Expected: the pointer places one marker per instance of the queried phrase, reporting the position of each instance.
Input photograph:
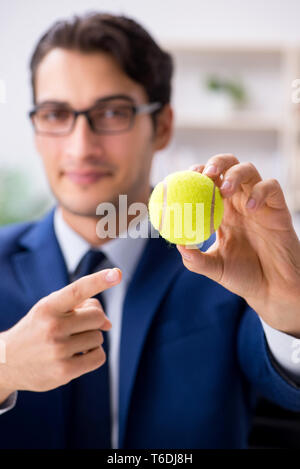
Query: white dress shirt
(120, 252)
(125, 254)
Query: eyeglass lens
(114, 116)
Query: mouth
(86, 177)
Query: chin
(79, 206)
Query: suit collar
(39, 263)
(122, 252)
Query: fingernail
(195, 167)
(210, 170)
(112, 275)
(226, 185)
(251, 204)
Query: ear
(164, 128)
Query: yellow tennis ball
(186, 207)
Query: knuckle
(42, 306)
(96, 311)
(42, 303)
(58, 351)
(222, 156)
(53, 330)
(94, 359)
(249, 166)
(97, 359)
(100, 357)
(96, 338)
(234, 159)
(274, 182)
(95, 315)
(99, 337)
(271, 186)
(215, 160)
(76, 292)
(92, 302)
(100, 319)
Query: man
(187, 353)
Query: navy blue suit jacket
(193, 356)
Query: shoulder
(19, 236)
(10, 236)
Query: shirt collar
(122, 252)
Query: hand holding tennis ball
(186, 207)
(256, 253)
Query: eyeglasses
(112, 115)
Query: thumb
(207, 263)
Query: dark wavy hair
(129, 43)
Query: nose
(82, 141)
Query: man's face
(84, 168)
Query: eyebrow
(114, 96)
(97, 101)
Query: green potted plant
(17, 200)
(229, 94)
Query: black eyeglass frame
(148, 108)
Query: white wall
(23, 21)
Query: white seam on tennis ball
(212, 211)
(164, 207)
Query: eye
(54, 115)
(117, 112)
(114, 112)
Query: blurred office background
(235, 63)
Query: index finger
(66, 299)
(217, 164)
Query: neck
(86, 226)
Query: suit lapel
(156, 270)
(40, 269)
(159, 265)
(39, 263)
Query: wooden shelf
(256, 123)
(276, 119)
(228, 47)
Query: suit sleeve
(285, 349)
(259, 366)
(9, 403)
